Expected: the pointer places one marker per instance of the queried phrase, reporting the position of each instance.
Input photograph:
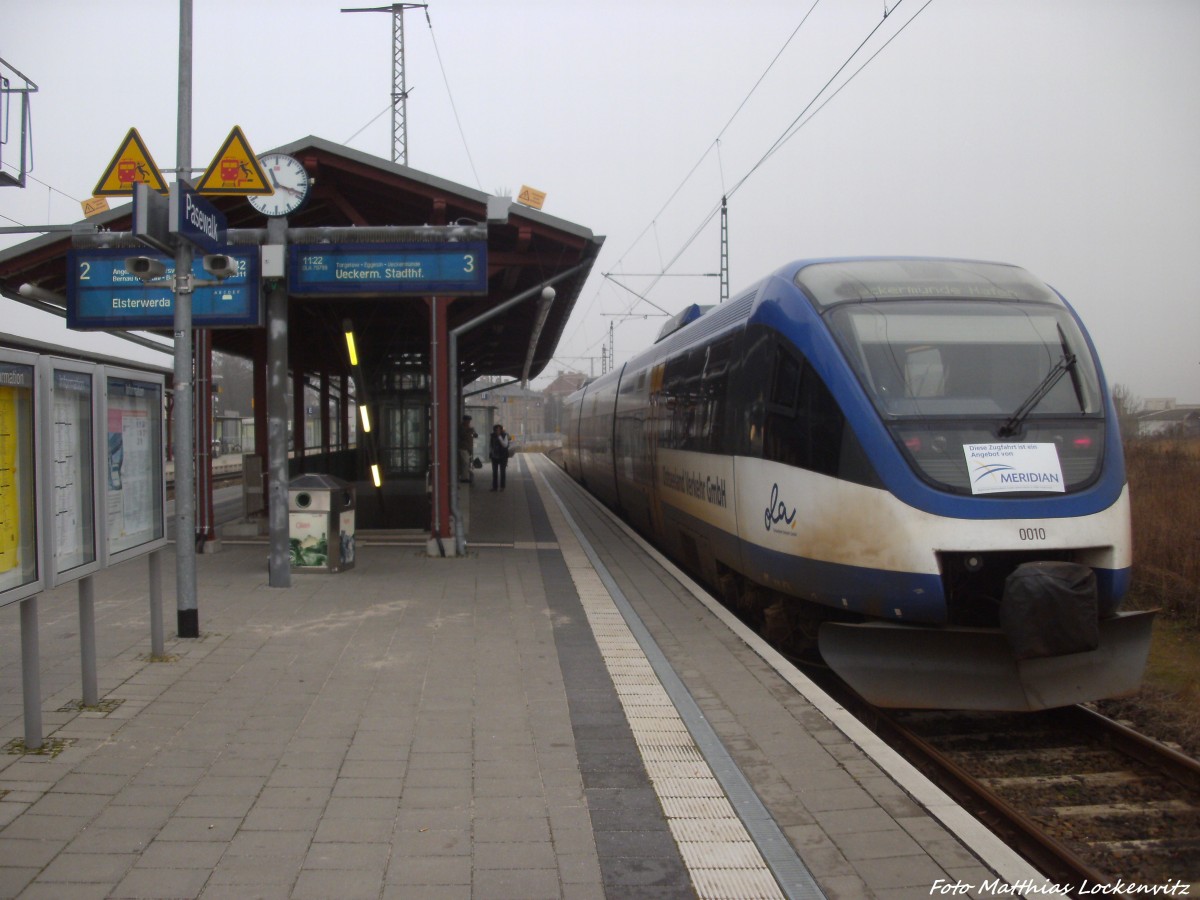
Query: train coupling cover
(952, 667)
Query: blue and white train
(917, 461)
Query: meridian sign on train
(458, 267)
(101, 294)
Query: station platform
(559, 713)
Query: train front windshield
(926, 358)
(1004, 360)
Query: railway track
(222, 480)
(1085, 799)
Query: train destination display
(102, 295)
(458, 268)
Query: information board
(19, 572)
(102, 295)
(68, 466)
(458, 268)
(133, 481)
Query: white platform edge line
(588, 583)
(976, 836)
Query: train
(910, 466)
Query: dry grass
(1163, 481)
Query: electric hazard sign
(234, 170)
(131, 165)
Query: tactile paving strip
(720, 854)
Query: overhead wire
(703, 156)
(369, 124)
(802, 119)
(437, 51)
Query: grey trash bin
(320, 523)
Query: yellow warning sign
(93, 206)
(234, 170)
(131, 165)
(531, 197)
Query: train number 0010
(1032, 534)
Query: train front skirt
(907, 667)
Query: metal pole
(156, 605)
(31, 678)
(437, 383)
(205, 521)
(279, 560)
(185, 492)
(87, 640)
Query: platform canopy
(355, 189)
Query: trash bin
(320, 523)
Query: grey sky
(1062, 136)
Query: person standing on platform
(498, 453)
(466, 443)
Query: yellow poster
(10, 482)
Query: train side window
(716, 383)
(809, 433)
(785, 381)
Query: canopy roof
(355, 189)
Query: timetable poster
(18, 547)
(134, 427)
(72, 503)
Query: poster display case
(20, 565)
(133, 472)
(69, 408)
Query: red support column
(441, 428)
(206, 531)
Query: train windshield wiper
(1064, 365)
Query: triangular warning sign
(131, 165)
(234, 170)
(531, 197)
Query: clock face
(287, 176)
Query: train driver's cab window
(921, 358)
(924, 374)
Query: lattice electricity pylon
(399, 87)
(7, 90)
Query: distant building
(520, 410)
(1158, 404)
(1170, 420)
(565, 384)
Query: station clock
(289, 179)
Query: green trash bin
(320, 523)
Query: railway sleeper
(1154, 808)
(1184, 848)
(1083, 779)
(1077, 760)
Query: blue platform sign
(101, 295)
(195, 219)
(458, 268)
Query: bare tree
(1129, 408)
